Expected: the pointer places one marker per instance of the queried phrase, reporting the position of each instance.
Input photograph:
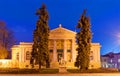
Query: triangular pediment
(61, 32)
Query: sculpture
(62, 62)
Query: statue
(62, 62)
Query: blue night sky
(20, 17)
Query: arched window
(17, 56)
(27, 55)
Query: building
(110, 60)
(62, 43)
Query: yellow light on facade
(4, 63)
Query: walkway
(88, 74)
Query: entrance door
(59, 54)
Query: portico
(62, 48)
(62, 42)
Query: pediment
(61, 33)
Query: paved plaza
(83, 74)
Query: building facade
(62, 44)
(110, 60)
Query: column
(20, 55)
(99, 54)
(54, 52)
(73, 50)
(65, 51)
(23, 55)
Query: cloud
(117, 37)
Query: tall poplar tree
(40, 53)
(83, 38)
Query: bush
(92, 71)
(28, 71)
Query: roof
(62, 33)
(110, 54)
(60, 29)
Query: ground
(83, 74)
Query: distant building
(110, 60)
(62, 43)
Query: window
(17, 56)
(69, 60)
(91, 57)
(105, 60)
(111, 60)
(119, 60)
(92, 66)
(27, 55)
(68, 50)
(91, 52)
(51, 51)
(59, 50)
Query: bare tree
(6, 40)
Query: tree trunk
(40, 65)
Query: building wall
(62, 44)
(6, 63)
(95, 56)
(110, 60)
(20, 53)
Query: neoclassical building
(62, 44)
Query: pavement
(65, 74)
